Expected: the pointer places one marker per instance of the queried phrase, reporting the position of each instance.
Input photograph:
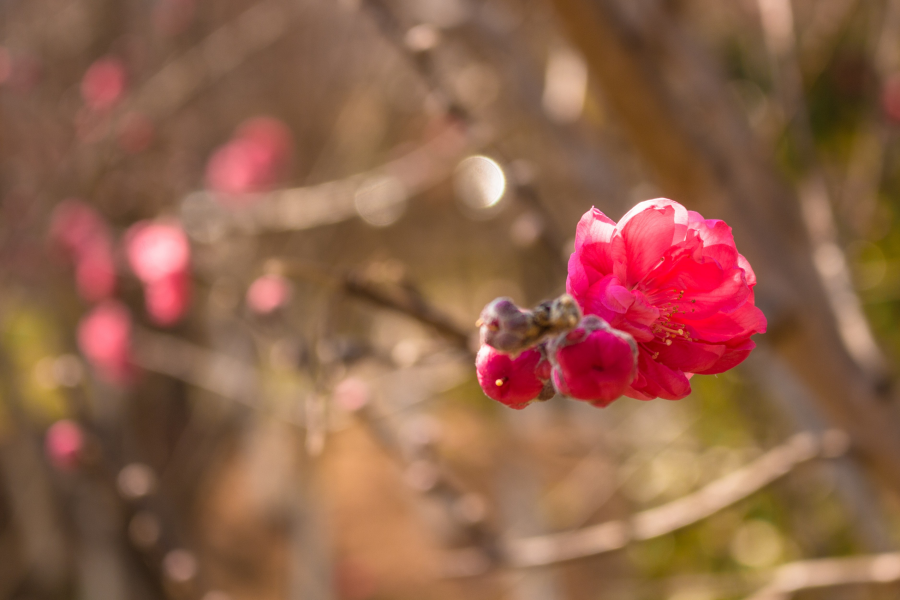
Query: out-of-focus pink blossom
(172, 17)
(104, 337)
(253, 161)
(23, 72)
(95, 273)
(167, 299)
(75, 226)
(268, 293)
(351, 394)
(513, 381)
(135, 132)
(80, 232)
(159, 254)
(593, 362)
(890, 98)
(103, 83)
(63, 444)
(676, 283)
(156, 250)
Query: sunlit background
(243, 246)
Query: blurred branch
(403, 299)
(655, 522)
(423, 61)
(219, 53)
(829, 572)
(212, 371)
(295, 209)
(795, 402)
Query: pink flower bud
(268, 293)
(103, 83)
(63, 444)
(104, 336)
(593, 362)
(504, 325)
(512, 381)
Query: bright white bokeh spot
(565, 85)
(380, 201)
(479, 182)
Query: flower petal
(648, 230)
(656, 380)
(732, 357)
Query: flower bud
(514, 382)
(593, 362)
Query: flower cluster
(158, 253)
(665, 295)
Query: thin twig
(828, 572)
(402, 299)
(655, 522)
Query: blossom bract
(676, 283)
(513, 381)
(593, 362)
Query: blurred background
(243, 245)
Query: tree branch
(656, 522)
(828, 572)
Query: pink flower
(85, 237)
(676, 283)
(252, 161)
(593, 362)
(63, 444)
(156, 250)
(167, 299)
(159, 254)
(103, 83)
(268, 293)
(514, 381)
(104, 336)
